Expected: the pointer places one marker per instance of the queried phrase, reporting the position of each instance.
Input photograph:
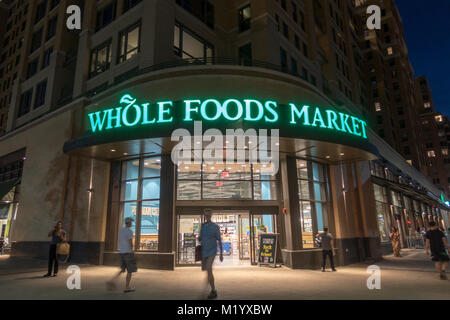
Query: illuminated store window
(190, 46)
(240, 181)
(313, 196)
(129, 42)
(140, 196)
(382, 209)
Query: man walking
(126, 256)
(438, 243)
(209, 237)
(326, 240)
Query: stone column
(166, 206)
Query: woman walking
(58, 235)
(395, 238)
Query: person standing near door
(326, 240)
(58, 235)
(209, 237)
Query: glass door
(244, 237)
(188, 234)
(260, 224)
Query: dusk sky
(427, 30)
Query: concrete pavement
(409, 277)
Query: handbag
(198, 253)
(63, 248)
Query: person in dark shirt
(437, 242)
(326, 241)
(58, 235)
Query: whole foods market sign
(130, 113)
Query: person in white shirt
(126, 256)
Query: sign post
(267, 254)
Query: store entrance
(235, 232)
(240, 231)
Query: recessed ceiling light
(212, 168)
(125, 154)
(328, 157)
(113, 150)
(342, 154)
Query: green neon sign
(132, 114)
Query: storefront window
(230, 181)
(140, 194)
(382, 208)
(313, 196)
(188, 233)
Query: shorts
(207, 263)
(439, 257)
(128, 262)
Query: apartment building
(435, 138)
(99, 150)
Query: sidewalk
(399, 280)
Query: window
(302, 20)
(305, 50)
(139, 199)
(427, 105)
(297, 42)
(46, 58)
(245, 55)
(203, 10)
(285, 30)
(230, 181)
(389, 51)
(244, 18)
(129, 42)
(51, 29)
(40, 94)
(382, 210)
(314, 82)
(32, 68)
(294, 12)
(188, 46)
(36, 40)
(283, 4)
(40, 11)
(445, 152)
(283, 59)
(54, 3)
(304, 74)
(377, 106)
(313, 200)
(431, 154)
(25, 103)
(128, 4)
(439, 119)
(100, 59)
(294, 68)
(106, 15)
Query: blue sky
(426, 24)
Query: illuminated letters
(304, 113)
(248, 109)
(133, 114)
